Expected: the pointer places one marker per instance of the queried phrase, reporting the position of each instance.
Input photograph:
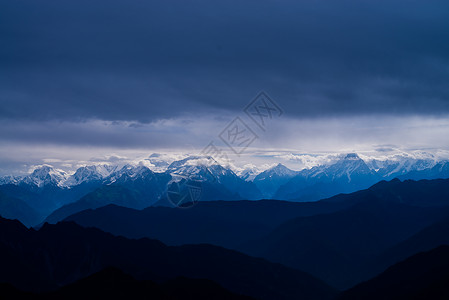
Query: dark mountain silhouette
(427, 239)
(334, 246)
(224, 223)
(422, 276)
(343, 240)
(419, 193)
(111, 283)
(60, 254)
(334, 239)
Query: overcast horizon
(87, 80)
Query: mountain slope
(422, 276)
(93, 173)
(335, 246)
(63, 253)
(439, 171)
(425, 240)
(214, 177)
(223, 223)
(349, 174)
(45, 175)
(13, 208)
(332, 247)
(270, 180)
(48, 198)
(146, 184)
(109, 194)
(334, 239)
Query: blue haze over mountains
(339, 242)
(328, 122)
(53, 194)
(342, 240)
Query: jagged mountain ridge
(47, 189)
(348, 174)
(270, 180)
(402, 167)
(57, 255)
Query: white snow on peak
(129, 171)
(89, 173)
(202, 168)
(9, 179)
(384, 165)
(282, 170)
(248, 172)
(44, 175)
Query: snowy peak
(202, 168)
(89, 174)
(129, 173)
(352, 156)
(282, 170)
(402, 165)
(279, 171)
(351, 163)
(45, 175)
(269, 181)
(249, 172)
(9, 179)
(346, 166)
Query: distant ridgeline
(390, 241)
(53, 194)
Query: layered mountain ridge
(344, 166)
(48, 189)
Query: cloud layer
(119, 75)
(147, 60)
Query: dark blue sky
(132, 74)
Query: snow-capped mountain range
(53, 193)
(206, 168)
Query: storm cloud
(146, 60)
(172, 74)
